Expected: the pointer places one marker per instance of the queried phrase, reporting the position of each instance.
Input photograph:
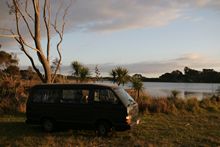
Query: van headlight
(128, 119)
(128, 110)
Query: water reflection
(185, 90)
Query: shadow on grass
(13, 129)
(21, 129)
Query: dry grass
(165, 122)
(156, 129)
(174, 105)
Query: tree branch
(60, 33)
(47, 25)
(32, 62)
(22, 15)
(8, 36)
(29, 15)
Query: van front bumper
(126, 126)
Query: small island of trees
(189, 76)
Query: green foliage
(7, 59)
(80, 71)
(174, 76)
(12, 70)
(76, 67)
(114, 75)
(8, 65)
(84, 73)
(120, 75)
(191, 75)
(137, 85)
(28, 74)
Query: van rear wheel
(103, 128)
(47, 125)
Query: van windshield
(126, 99)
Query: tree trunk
(45, 63)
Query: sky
(150, 37)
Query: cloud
(188, 57)
(115, 15)
(156, 68)
(112, 15)
(196, 60)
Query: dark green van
(97, 106)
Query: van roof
(98, 85)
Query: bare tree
(36, 16)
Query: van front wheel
(103, 129)
(47, 125)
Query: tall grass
(175, 105)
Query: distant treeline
(189, 76)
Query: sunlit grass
(168, 121)
(155, 129)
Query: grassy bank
(157, 129)
(168, 121)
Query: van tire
(103, 128)
(47, 125)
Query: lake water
(186, 90)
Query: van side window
(75, 96)
(37, 96)
(105, 96)
(45, 96)
(51, 96)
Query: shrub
(8, 105)
(12, 96)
